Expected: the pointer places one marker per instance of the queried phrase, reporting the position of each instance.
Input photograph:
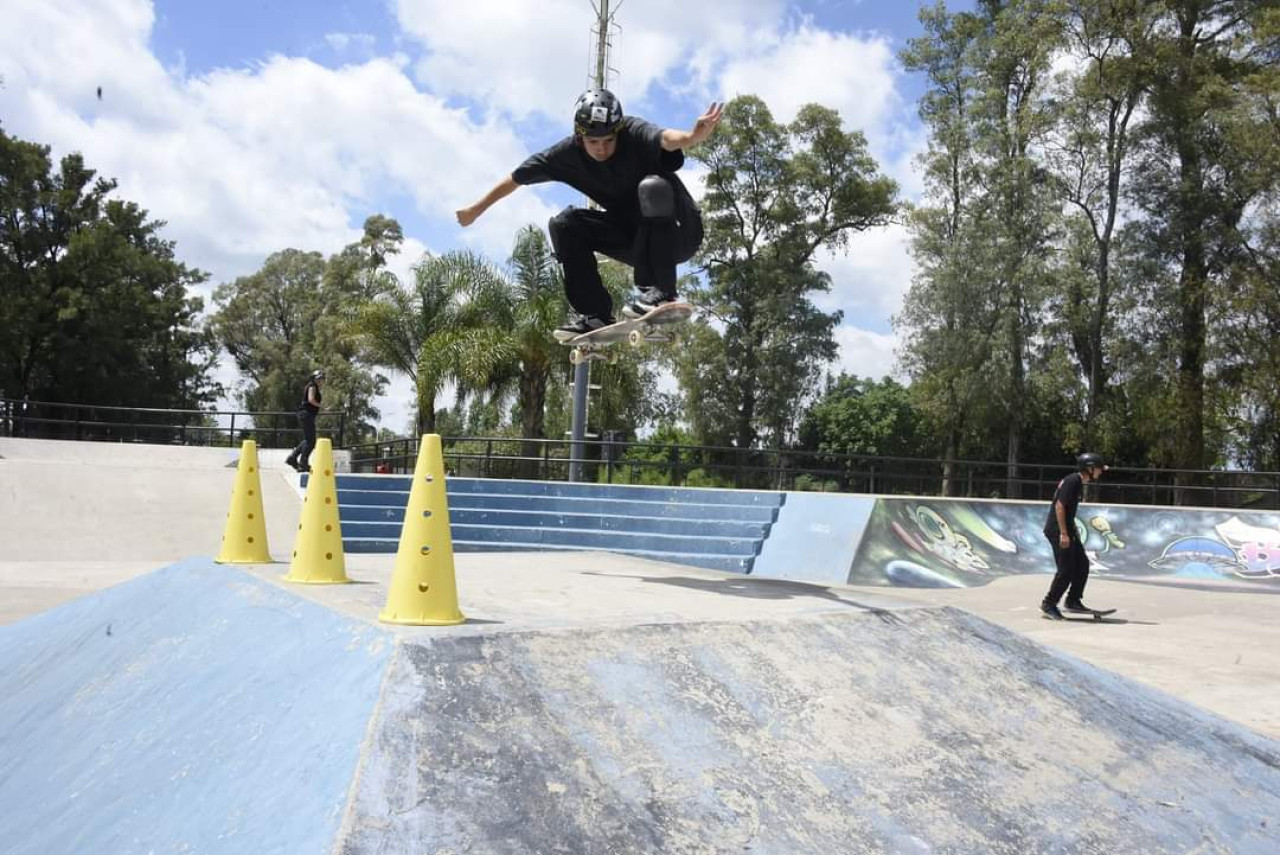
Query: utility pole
(602, 32)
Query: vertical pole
(577, 449)
(581, 371)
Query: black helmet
(598, 113)
(1089, 460)
(318, 374)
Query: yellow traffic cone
(317, 552)
(424, 590)
(244, 540)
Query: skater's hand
(706, 124)
(1064, 540)
(468, 215)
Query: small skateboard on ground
(654, 326)
(1088, 614)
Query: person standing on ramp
(627, 166)
(1068, 551)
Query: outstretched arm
(673, 140)
(501, 190)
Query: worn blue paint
(195, 709)
(815, 538)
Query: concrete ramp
(919, 731)
(209, 709)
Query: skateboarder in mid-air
(1068, 551)
(626, 166)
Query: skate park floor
(80, 517)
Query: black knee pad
(657, 198)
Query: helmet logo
(599, 114)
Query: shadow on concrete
(751, 588)
(1111, 620)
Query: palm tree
(435, 330)
(522, 354)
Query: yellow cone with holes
(317, 553)
(244, 540)
(424, 589)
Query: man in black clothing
(307, 411)
(626, 166)
(1068, 551)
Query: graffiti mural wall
(915, 542)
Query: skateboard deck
(650, 327)
(1092, 614)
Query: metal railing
(101, 423)
(645, 462)
(616, 462)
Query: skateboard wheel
(575, 357)
(636, 337)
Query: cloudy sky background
(250, 126)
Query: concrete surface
(77, 516)
(593, 704)
(1212, 644)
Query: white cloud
(241, 163)
(865, 353)
(528, 57)
(852, 74)
(870, 279)
(341, 42)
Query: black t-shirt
(612, 183)
(306, 398)
(1068, 493)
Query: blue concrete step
(356, 515)
(559, 504)
(725, 563)
(503, 487)
(585, 538)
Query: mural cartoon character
(935, 535)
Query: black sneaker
(1078, 608)
(1050, 611)
(579, 324)
(649, 299)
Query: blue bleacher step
(725, 563)
(567, 504)
(356, 518)
(586, 538)
(554, 489)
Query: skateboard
(637, 331)
(1090, 614)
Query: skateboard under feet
(652, 327)
(1095, 614)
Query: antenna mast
(598, 77)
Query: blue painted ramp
(195, 709)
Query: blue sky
(254, 125)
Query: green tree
(863, 416)
(776, 195)
(1203, 167)
(93, 303)
(286, 320)
(1089, 155)
(950, 312)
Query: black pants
(653, 248)
(1073, 572)
(306, 421)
